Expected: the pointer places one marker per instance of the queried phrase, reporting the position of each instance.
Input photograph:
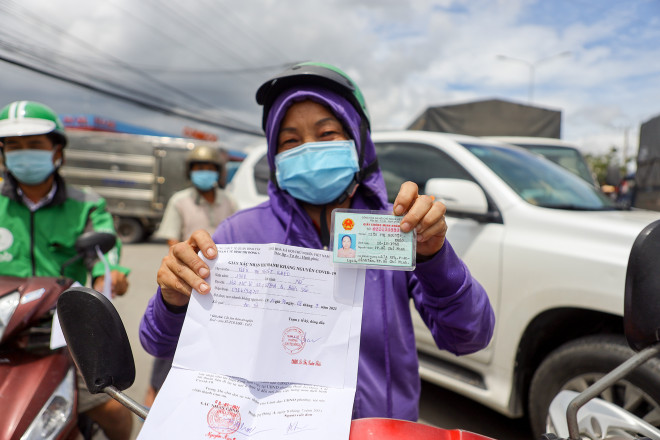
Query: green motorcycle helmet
(320, 74)
(27, 118)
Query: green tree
(607, 167)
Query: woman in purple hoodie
(321, 157)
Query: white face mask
(204, 179)
(317, 172)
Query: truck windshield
(569, 158)
(539, 181)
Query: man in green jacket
(41, 218)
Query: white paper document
(271, 352)
(56, 336)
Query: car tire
(129, 229)
(578, 364)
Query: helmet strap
(373, 166)
(325, 230)
(364, 170)
(363, 138)
(348, 193)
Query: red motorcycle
(38, 393)
(101, 350)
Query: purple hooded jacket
(453, 305)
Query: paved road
(144, 260)
(438, 406)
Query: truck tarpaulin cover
(647, 177)
(492, 117)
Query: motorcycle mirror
(641, 317)
(87, 242)
(96, 338)
(86, 245)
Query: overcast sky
(595, 60)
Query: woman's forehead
(308, 109)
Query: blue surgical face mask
(204, 179)
(30, 166)
(317, 172)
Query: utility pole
(532, 65)
(625, 147)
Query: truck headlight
(56, 412)
(8, 304)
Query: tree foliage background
(607, 167)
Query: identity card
(371, 239)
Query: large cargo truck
(491, 117)
(136, 174)
(534, 128)
(646, 185)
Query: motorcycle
(38, 393)
(101, 351)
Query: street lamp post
(532, 67)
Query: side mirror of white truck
(459, 196)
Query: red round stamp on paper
(224, 418)
(293, 340)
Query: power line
(181, 19)
(70, 68)
(144, 104)
(155, 29)
(239, 25)
(44, 59)
(260, 69)
(118, 61)
(74, 74)
(42, 55)
(127, 91)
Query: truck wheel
(578, 364)
(129, 229)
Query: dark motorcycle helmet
(313, 73)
